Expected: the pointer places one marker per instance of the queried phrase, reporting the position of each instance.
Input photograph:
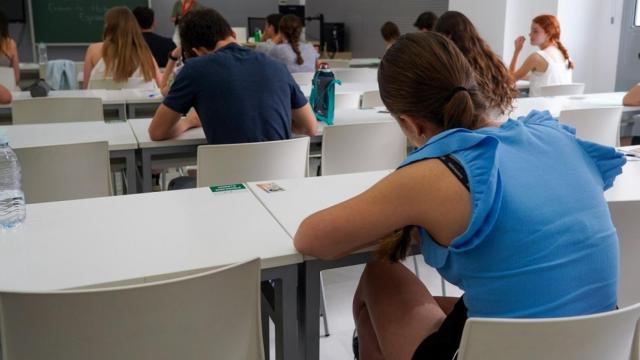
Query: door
(629, 55)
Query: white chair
(8, 78)
(235, 163)
(371, 99)
(347, 100)
(241, 34)
(336, 63)
(357, 75)
(352, 148)
(56, 110)
(523, 106)
(65, 172)
(624, 215)
(211, 315)
(599, 125)
(610, 336)
(110, 84)
(304, 78)
(562, 90)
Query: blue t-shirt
(240, 95)
(540, 242)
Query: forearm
(632, 98)
(514, 62)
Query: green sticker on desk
(227, 188)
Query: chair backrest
(599, 125)
(212, 315)
(357, 75)
(362, 147)
(241, 34)
(562, 90)
(303, 78)
(624, 215)
(236, 163)
(371, 99)
(65, 172)
(347, 101)
(56, 110)
(8, 78)
(610, 336)
(337, 63)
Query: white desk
(365, 63)
(301, 198)
(626, 187)
(141, 102)
(346, 88)
(356, 116)
(122, 142)
(148, 237)
(522, 106)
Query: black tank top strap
(456, 169)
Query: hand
(519, 43)
(177, 52)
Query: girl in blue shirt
(513, 213)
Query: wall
(491, 28)
(363, 19)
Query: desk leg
(309, 305)
(146, 170)
(132, 111)
(285, 310)
(130, 166)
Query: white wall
(489, 18)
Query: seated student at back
(239, 95)
(122, 56)
(8, 49)
(270, 33)
(298, 56)
(160, 46)
(390, 33)
(426, 21)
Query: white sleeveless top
(136, 81)
(557, 73)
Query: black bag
(39, 88)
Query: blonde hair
(124, 49)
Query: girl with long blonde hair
(123, 55)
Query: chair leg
(444, 286)
(114, 187)
(163, 177)
(415, 266)
(323, 308)
(125, 184)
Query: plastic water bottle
(42, 53)
(323, 94)
(12, 205)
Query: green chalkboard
(73, 21)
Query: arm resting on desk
(632, 98)
(303, 121)
(168, 124)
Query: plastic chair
(624, 215)
(303, 78)
(611, 335)
(562, 90)
(65, 172)
(352, 148)
(56, 110)
(371, 99)
(599, 125)
(8, 78)
(346, 100)
(357, 75)
(185, 318)
(236, 163)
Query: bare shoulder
(94, 52)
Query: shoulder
(94, 52)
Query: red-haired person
(551, 65)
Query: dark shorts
(443, 344)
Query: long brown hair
(426, 76)
(124, 49)
(491, 74)
(551, 27)
(291, 28)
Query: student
(426, 21)
(551, 65)
(8, 49)
(160, 46)
(270, 34)
(5, 95)
(240, 95)
(493, 78)
(512, 213)
(390, 33)
(123, 55)
(299, 57)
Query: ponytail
(459, 111)
(291, 28)
(565, 53)
(295, 46)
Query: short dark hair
(274, 20)
(203, 28)
(426, 21)
(144, 15)
(390, 31)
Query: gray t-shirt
(284, 53)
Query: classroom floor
(340, 285)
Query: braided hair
(291, 28)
